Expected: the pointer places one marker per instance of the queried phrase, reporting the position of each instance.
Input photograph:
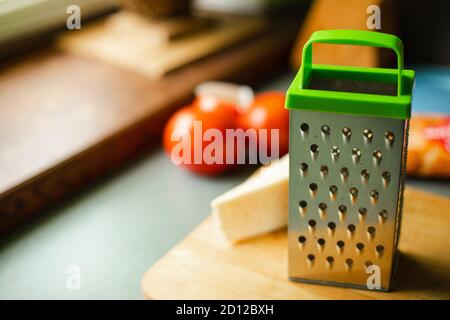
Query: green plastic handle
(358, 38)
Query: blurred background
(87, 87)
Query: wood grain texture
(66, 120)
(203, 267)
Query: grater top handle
(354, 37)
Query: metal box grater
(348, 141)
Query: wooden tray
(203, 267)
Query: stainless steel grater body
(345, 191)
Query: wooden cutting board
(129, 45)
(203, 267)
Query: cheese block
(257, 206)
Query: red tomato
(189, 145)
(217, 114)
(268, 112)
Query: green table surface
(116, 230)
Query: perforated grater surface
(348, 139)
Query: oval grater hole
(321, 242)
(333, 189)
(335, 152)
(347, 133)
(353, 194)
(302, 204)
(371, 232)
(310, 259)
(331, 227)
(324, 171)
(344, 173)
(367, 264)
(342, 211)
(359, 247)
(333, 192)
(379, 250)
(301, 241)
(365, 175)
(389, 135)
(325, 129)
(340, 246)
(351, 228)
(304, 127)
(304, 167)
(313, 189)
(382, 215)
(330, 261)
(386, 175)
(362, 213)
(368, 134)
(377, 156)
(356, 154)
(374, 195)
(312, 223)
(302, 207)
(322, 210)
(314, 148)
(349, 264)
